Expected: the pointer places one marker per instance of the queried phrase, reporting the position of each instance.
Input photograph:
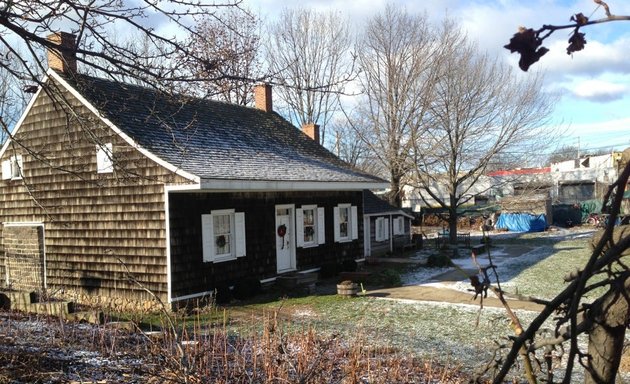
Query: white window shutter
(336, 223)
(104, 158)
(396, 225)
(354, 221)
(299, 226)
(377, 228)
(207, 238)
(20, 165)
(6, 170)
(321, 226)
(239, 229)
(386, 224)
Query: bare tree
(309, 54)
(480, 111)
(229, 42)
(29, 23)
(12, 99)
(396, 56)
(348, 148)
(567, 152)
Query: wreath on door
(282, 230)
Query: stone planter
(347, 289)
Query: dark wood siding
(380, 248)
(190, 275)
(92, 221)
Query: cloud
(596, 58)
(599, 90)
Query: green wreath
(282, 230)
(221, 241)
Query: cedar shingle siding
(190, 274)
(91, 220)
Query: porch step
(357, 277)
(298, 280)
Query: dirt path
(439, 293)
(446, 295)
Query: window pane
(344, 214)
(309, 225)
(309, 217)
(222, 234)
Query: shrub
(390, 278)
(439, 260)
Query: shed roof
(375, 206)
(215, 140)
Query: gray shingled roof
(374, 205)
(216, 140)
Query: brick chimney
(262, 97)
(62, 60)
(312, 131)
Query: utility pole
(578, 147)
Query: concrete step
(92, 317)
(11, 299)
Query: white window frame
(353, 223)
(399, 225)
(319, 235)
(236, 236)
(104, 158)
(381, 229)
(12, 168)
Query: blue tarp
(521, 222)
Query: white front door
(285, 238)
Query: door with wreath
(285, 238)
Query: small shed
(386, 228)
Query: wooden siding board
(91, 220)
(191, 275)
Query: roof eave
(287, 185)
(389, 213)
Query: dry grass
(47, 350)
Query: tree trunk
(606, 339)
(452, 221)
(394, 194)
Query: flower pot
(347, 289)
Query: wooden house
(386, 228)
(182, 195)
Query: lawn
(458, 334)
(312, 339)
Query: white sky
(594, 84)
